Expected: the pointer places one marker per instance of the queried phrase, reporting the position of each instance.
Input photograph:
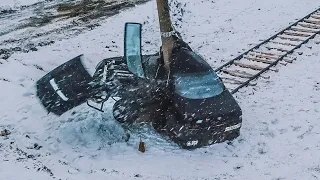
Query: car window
(133, 48)
(198, 85)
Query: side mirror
(132, 48)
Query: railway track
(247, 67)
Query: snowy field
(17, 3)
(279, 138)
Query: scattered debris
(262, 151)
(46, 169)
(238, 167)
(36, 146)
(38, 67)
(63, 163)
(142, 147)
(5, 133)
(30, 156)
(4, 79)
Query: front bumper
(202, 132)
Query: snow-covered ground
(25, 28)
(17, 3)
(279, 137)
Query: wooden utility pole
(166, 30)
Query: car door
(132, 49)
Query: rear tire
(125, 111)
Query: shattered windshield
(198, 85)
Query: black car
(190, 104)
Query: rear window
(198, 85)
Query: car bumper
(191, 136)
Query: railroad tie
(252, 64)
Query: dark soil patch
(88, 9)
(7, 11)
(83, 14)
